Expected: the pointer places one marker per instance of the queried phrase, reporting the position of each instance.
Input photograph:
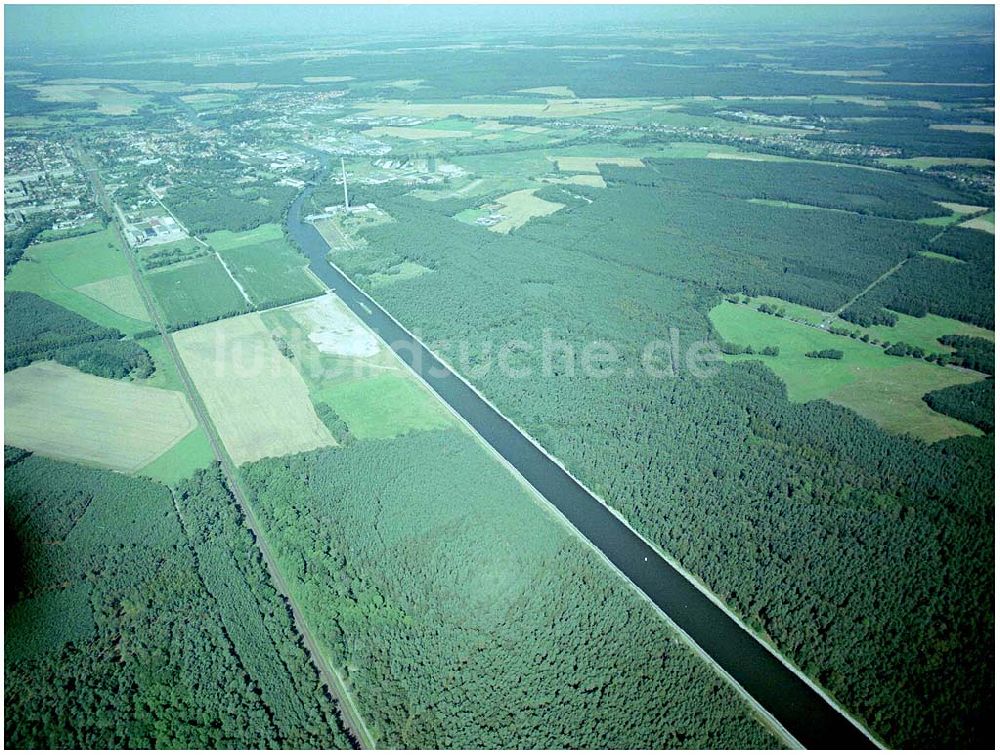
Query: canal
(803, 712)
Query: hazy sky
(136, 26)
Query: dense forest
(467, 616)
(725, 473)
(129, 627)
(972, 353)
(210, 200)
(38, 329)
(972, 403)
(16, 242)
(962, 290)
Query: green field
(884, 388)
(916, 331)
(183, 459)
(86, 274)
(924, 331)
(165, 375)
(224, 240)
(270, 272)
(194, 291)
(383, 406)
(353, 372)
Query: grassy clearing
(383, 406)
(403, 271)
(887, 390)
(326, 79)
(924, 331)
(271, 272)
(894, 399)
(916, 331)
(194, 291)
(958, 211)
(786, 205)
(72, 272)
(165, 375)
(183, 459)
(256, 398)
(66, 414)
(408, 85)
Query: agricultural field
(350, 370)
(510, 211)
(86, 274)
(236, 364)
(110, 423)
(196, 291)
(985, 222)
(268, 270)
(886, 389)
(109, 100)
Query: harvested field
(109, 100)
(584, 179)
(66, 414)
(255, 396)
(982, 223)
(519, 207)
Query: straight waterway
(804, 713)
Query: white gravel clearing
(333, 329)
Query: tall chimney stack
(343, 171)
